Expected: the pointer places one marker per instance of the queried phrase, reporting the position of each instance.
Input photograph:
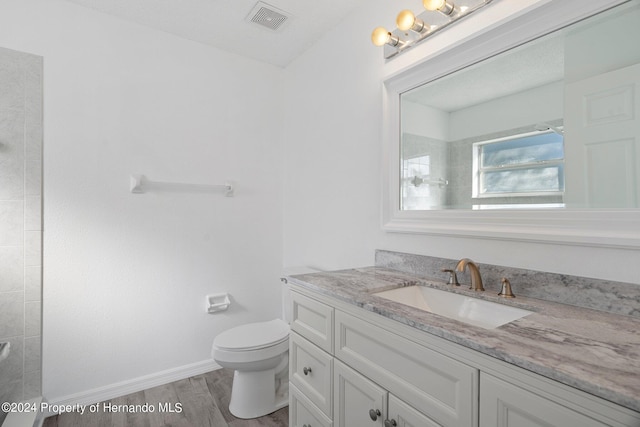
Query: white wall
(541, 104)
(333, 175)
(424, 120)
(612, 44)
(125, 275)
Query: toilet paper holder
(218, 302)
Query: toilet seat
(253, 336)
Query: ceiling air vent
(267, 16)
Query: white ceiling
(221, 23)
(529, 66)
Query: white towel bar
(140, 183)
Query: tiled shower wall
(20, 224)
(416, 148)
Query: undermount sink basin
(474, 311)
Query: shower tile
(11, 154)
(11, 222)
(33, 160)
(11, 314)
(32, 248)
(32, 384)
(32, 66)
(11, 392)
(33, 213)
(11, 79)
(21, 136)
(32, 318)
(32, 354)
(33, 283)
(33, 125)
(11, 368)
(33, 177)
(11, 268)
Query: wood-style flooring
(204, 399)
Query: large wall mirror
(541, 134)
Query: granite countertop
(594, 351)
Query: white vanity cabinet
(353, 368)
(342, 367)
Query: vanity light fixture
(412, 29)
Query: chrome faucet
(476, 280)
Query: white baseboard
(134, 385)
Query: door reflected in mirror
(553, 123)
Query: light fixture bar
(413, 29)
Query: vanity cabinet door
(402, 415)
(358, 402)
(303, 413)
(503, 404)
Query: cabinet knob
(374, 414)
(390, 423)
(306, 370)
(306, 425)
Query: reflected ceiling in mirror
(550, 124)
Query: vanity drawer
(303, 413)
(313, 320)
(443, 388)
(311, 370)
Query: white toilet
(259, 353)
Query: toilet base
(253, 394)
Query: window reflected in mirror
(529, 165)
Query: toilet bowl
(259, 354)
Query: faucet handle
(453, 279)
(506, 292)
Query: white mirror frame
(619, 228)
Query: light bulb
(433, 4)
(405, 20)
(380, 36)
(440, 5)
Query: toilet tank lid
(253, 335)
